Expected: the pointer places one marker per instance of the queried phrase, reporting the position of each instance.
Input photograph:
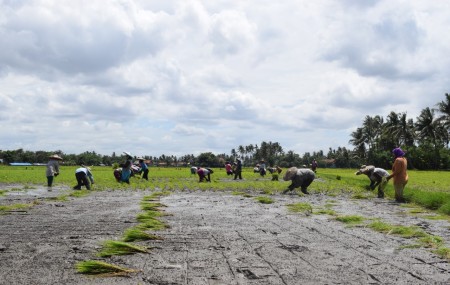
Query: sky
(193, 76)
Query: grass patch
(3, 192)
(13, 207)
(431, 200)
(137, 234)
(80, 193)
(403, 231)
(443, 252)
(240, 193)
(350, 219)
(112, 247)
(325, 212)
(95, 267)
(430, 241)
(61, 198)
(264, 200)
(300, 208)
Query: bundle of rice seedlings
(111, 247)
(95, 267)
(136, 234)
(300, 208)
(152, 224)
(151, 206)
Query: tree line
(426, 141)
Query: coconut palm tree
(444, 109)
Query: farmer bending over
(84, 177)
(302, 178)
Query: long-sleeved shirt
(52, 167)
(399, 170)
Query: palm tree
(429, 129)
(399, 129)
(444, 109)
(358, 142)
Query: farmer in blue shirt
(144, 168)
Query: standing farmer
(144, 168)
(238, 170)
(399, 173)
(52, 169)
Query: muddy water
(216, 238)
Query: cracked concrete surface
(217, 238)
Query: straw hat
(55, 156)
(127, 153)
(290, 173)
(139, 158)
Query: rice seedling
(321, 211)
(155, 195)
(3, 192)
(112, 247)
(300, 208)
(80, 193)
(264, 200)
(152, 224)
(151, 206)
(240, 193)
(431, 241)
(350, 219)
(443, 252)
(403, 231)
(95, 267)
(61, 198)
(148, 215)
(137, 234)
(13, 207)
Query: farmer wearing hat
(399, 173)
(377, 177)
(302, 178)
(126, 169)
(144, 168)
(52, 169)
(204, 174)
(238, 169)
(84, 177)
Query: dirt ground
(214, 238)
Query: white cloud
(181, 77)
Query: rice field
(430, 189)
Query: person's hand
(56, 174)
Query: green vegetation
(429, 189)
(264, 200)
(112, 247)
(300, 208)
(350, 219)
(14, 207)
(137, 234)
(95, 267)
